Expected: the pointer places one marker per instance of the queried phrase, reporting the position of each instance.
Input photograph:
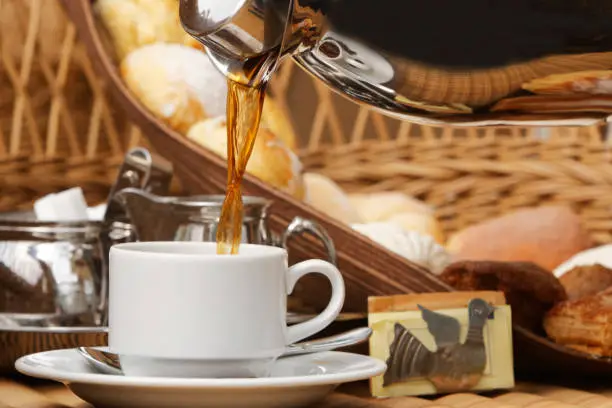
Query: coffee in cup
(178, 309)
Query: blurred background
(428, 186)
(59, 128)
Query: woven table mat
(18, 395)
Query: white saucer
(295, 382)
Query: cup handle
(301, 225)
(302, 330)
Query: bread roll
(586, 280)
(270, 161)
(134, 23)
(416, 247)
(546, 236)
(177, 83)
(583, 324)
(600, 255)
(181, 86)
(326, 196)
(530, 290)
(380, 206)
(419, 222)
(394, 207)
(278, 122)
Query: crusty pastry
(426, 224)
(546, 235)
(599, 255)
(326, 196)
(379, 206)
(177, 83)
(584, 324)
(583, 281)
(134, 23)
(270, 161)
(530, 290)
(398, 208)
(275, 118)
(419, 248)
(181, 86)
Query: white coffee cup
(177, 309)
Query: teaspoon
(108, 363)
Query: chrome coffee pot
(50, 272)
(477, 62)
(54, 275)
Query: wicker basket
(467, 174)
(324, 129)
(57, 128)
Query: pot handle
(300, 226)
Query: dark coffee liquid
(244, 107)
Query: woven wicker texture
(468, 174)
(18, 395)
(57, 128)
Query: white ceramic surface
(294, 382)
(221, 315)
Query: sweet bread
(419, 248)
(270, 161)
(180, 85)
(530, 290)
(398, 208)
(134, 23)
(275, 118)
(584, 324)
(379, 206)
(326, 196)
(601, 255)
(546, 235)
(177, 83)
(583, 281)
(426, 224)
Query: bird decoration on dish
(453, 366)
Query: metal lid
(23, 226)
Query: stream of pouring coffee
(244, 106)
